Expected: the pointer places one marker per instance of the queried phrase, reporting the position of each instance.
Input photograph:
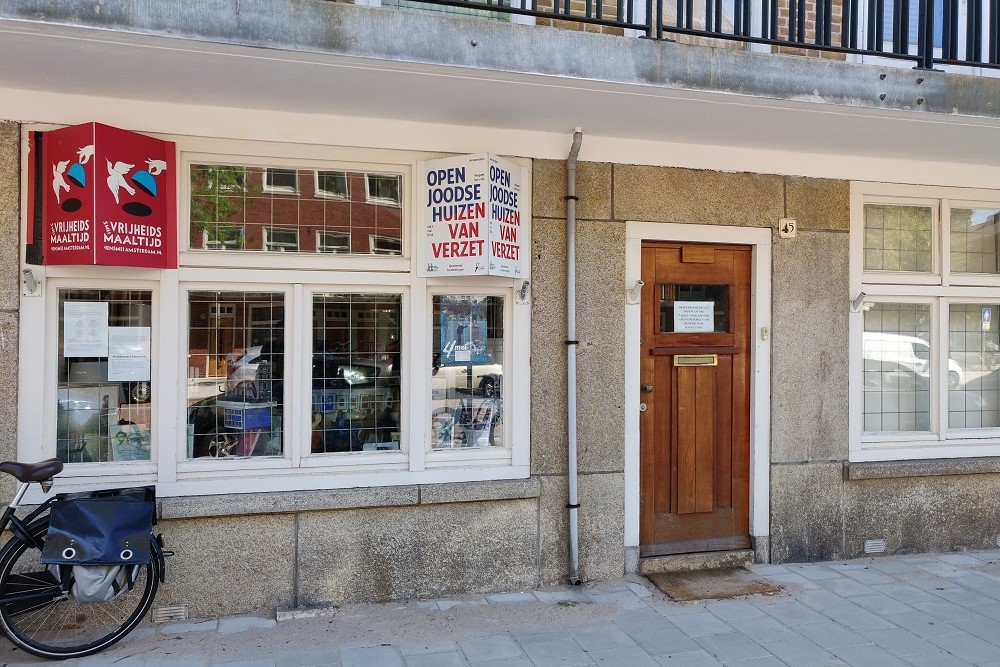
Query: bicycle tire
(60, 627)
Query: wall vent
(874, 546)
(174, 612)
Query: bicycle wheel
(54, 625)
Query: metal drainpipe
(571, 346)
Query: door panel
(695, 432)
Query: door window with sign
(104, 381)
(467, 374)
(928, 377)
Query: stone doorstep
(697, 561)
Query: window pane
(355, 372)
(104, 391)
(897, 238)
(705, 308)
(973, 359)
(897, 368)
(236, 354)
(254, 209)
(467, 373)
(974, 240)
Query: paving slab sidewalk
(875, 611)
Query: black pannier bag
(101, 528)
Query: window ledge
(285, 502)
(921, 468)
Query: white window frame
(271, 245)
(297, 275)
(278, 189)
(329, 194)
(939, 288)
(329, 248)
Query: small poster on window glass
(128, 353)
(85, 329)
(463, 330)
(694, 316)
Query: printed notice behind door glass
(693, 308)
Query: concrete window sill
(923, 468)
(286, 502)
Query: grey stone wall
(10, 215)
(238, 564)
(817, 512)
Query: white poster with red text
(470, 211)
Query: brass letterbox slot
(696, 360)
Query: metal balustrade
(927, 32)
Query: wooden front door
(695, 372)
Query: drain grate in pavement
(716, 584)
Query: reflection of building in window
(385, 245)
(333, 242)
(320, 211)
(331, 184)
(222, 237)
(382, 188)
(277, 239)
(281, 180)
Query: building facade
(783, 271)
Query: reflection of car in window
(896, 352)
(486, 379)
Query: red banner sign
(108, 198)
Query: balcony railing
(926, 32)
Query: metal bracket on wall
(29, 285)
(632, 295)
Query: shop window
(278, 209)
(292, 349)
(235, 373)
(104, 380)
(467, 372)
(355, 373)
(927, 384)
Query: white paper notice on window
(694, 316)
(85, 329)
(128, 353)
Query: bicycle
(38, 610)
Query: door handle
(646, 388)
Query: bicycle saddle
(32, 472)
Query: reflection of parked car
(338, 370)
(907, 352)
(486, 379)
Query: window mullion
(298, 410)
(940, 349)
